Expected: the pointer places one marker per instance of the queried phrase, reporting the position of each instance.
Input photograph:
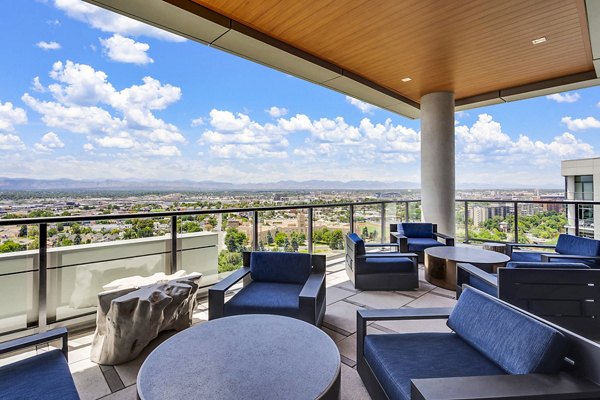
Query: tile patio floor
(118, 382)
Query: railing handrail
(166, 214)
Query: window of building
(584, 187)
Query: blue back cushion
(569, 244)
(516, 342)
(280, 267)
(545, 265)
(359, 244)
(417, 229)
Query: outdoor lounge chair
(415, 237)
(379, 271)
(569, 248)
(495, 351)
(563, 293)
(288, 284)
(45, 375)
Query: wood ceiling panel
(466, 46)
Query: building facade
(582, 182)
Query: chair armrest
(530, 386)
(382, 245)
(402, 240)
(216, 293)
(386, 255)
(44, 337)
(309, 296)
(548, 257)
(464, 271)
(511, 246)
(448, 240)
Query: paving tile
(78, 353)
(81, 338)
(432, 300)
(347, 346)
(129, 393)
(376, 299)
(335, 294)
(352, 386)
(339, 266)
(445, 292)
(415, 326)
(113, 379)
(89, 380)
(342, 315)
(347, 285)
(335, 336)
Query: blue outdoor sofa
(288, 284)
(379, 271)
(494, 351)
(415, 237)
(569, 248)
(563, 293)
(45, 375)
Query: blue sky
(87, 94)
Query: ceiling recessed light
(539, 40)
(407, 79)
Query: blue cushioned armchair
(43, 376)
(569, 248)
(379, 271)
(415, 237)
(288, 284)
(494, 351)
(563, 293)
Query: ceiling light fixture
(407, 79)
(539, 40)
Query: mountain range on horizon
(26, 184)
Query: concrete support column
(437, 161)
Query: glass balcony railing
(52, 274)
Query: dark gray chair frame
(579, 380)
(39, 338)
(311, 295)
(567, 297)
(548, 257)
(380, 281)
(402, 240)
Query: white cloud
(276, 112)
(484, 134)
(88, 147)
(564, 98)
(49, 142)
(365, 108)
(108, 21)
(578, 124)
(80, 94)
(48, 45)
(197, 122)
(11, 116)
(37, 86)
(126, 50)
(11, 142)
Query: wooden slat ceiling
(470, 47)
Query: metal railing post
(310, 230)
(516, 205)
(351, 218)
(406, 218)
(43, 278)
(576, 219)
(466, 222)
(382, 223)
(255, 230)
(173, 244)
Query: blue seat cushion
(372, 265)
(575, 245)
(545, 265)
(44, 376)
(266, 298)
(268, 266)
(420, 244)
(527, 256)
(359, 244)
(516, 342)
(416, 230)
(397, 358)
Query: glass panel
(283, 230)
(331, 224)
(414, 211)
(491, 221)
(367, 222)
(460, 222)
(541, 223)
(235, 235)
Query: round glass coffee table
(440, 263)
(243, 357)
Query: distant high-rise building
(580, 176)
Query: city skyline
(88, 94)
